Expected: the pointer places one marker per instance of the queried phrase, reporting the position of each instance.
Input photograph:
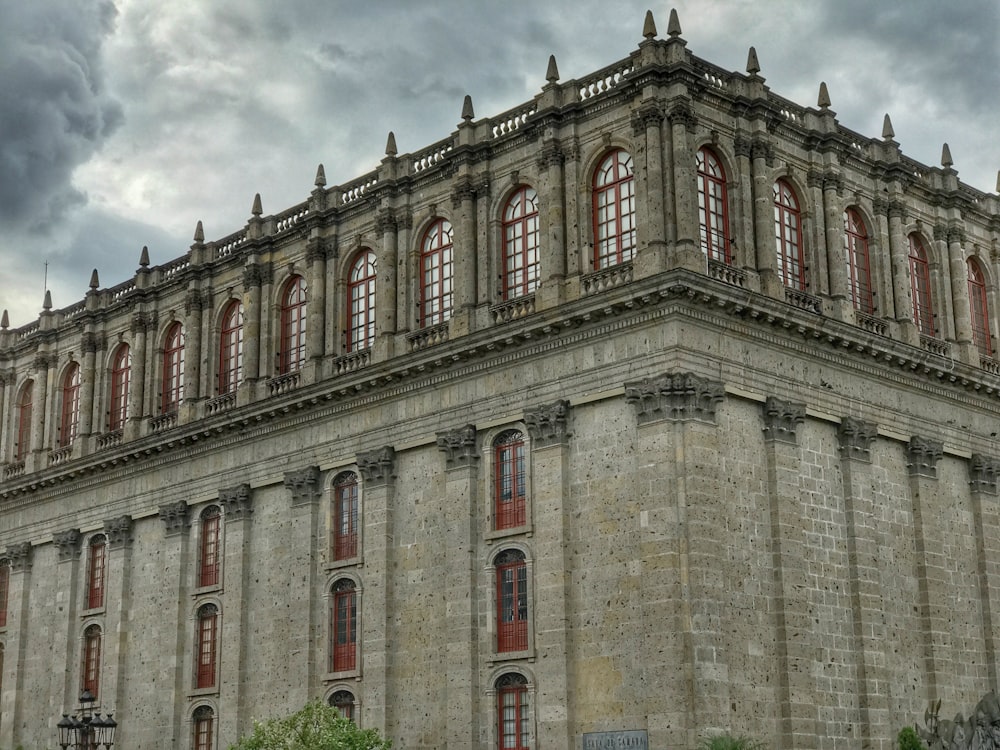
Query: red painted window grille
(436, 274)
(203, 723)
(96, 571)
(121, 369)
(520, 234)
(713, 207)
(92, 660)
(614, 211)
(24, 422)
(69, 419)
(231, 348)
(343, 701)
(979, 309)
(208, 569)
(293, 327)
(4, 589)
(512, 602)
(788, 237)
(858, 263)
(920, 290)
(512, 712)
(345, 516)
(343, 627)
(361, 302)
(509, 481)
(208, 636)
(173, 369)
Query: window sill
(512, 531)
(526, 655)
(203, 590)
(92, 612)
(201, 692)
(345, 563)
(350, 674)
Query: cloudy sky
(123, 122)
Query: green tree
(315, 727)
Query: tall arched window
(509, 481)
(614, 210)
(520, 237)
(173, 369)
(4, 589)
(210, 552)
(69, 418)
(344, 539)
(208, 650)
(788, 236)
(96, 570)
(121, 369)
(23, 446)
(231, 348)
(713, 208)
(203, 728)
(292, 353)
(343, 701)
(91, 666)
(857, 259)
(361, 302)
(513, 726)
(436, 274)
(512, 601)
(980, 309)
(343, 627)
(920, 287)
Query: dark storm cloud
(54, 109)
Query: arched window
(343, 627)
(509, 481)
(121, 369)
(231, 348)
(980, 309)
(361, 302)
(208, 637)
(713, 207)
(788, 236)
(858, 265)
(920, 287)
(512, 601)
(4, 589)
(513, 726)
(69, 418)
(209, 558)
(96, 570)
(436, 274)
(520, 237)
(23, 446)
(203, 728)
(344, 539)
(173, 369)
(91, 668)
(292, 354)
(614, 210)
(343, 701)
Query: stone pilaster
(647, 127)
(763, 218)
(836, 252)
(117, 606)
(686, 252)
(464, 257)
(552, 243)
(137, 375)
(253, 276)
(66, 628)
(983, 472)
(39, 407)
(192, 349)
(899, 254)
(959, 291)
(174, 628)
(316, 290)
(16, 704)
(385, 286)
(234, 677)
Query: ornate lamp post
(90, 731)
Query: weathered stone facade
(748, 506)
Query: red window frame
(91, 668)
(231, 348)
(69, 419)
(920, 287)
(979, 309)
(24, 408)
(788, 236)
(520, 236)
(361, 302)
(509, 481)
(343, 627)
(512, 602)
(614, 210)
(344, 541)
(292, 354)
(4, 591)
(513, 731)
(210, 552)
(713, 207)
(343, 701)
(121, 374)
(173, 369)
(203, 727)
(97, 560)
(436, 270)
(858, 262)
(207, 651)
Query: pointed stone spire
(144, 257)
(320, 180)
(649, 26)
(887, 132)
(823, 102)
(199, 232)
(390, 144)
(94, 281)
(257, 209)
(467, 112)
(946, 160)
(753, 65)
(4, 321)
(673, 25)
(552, 72)
(47, 303)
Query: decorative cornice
(856, 438)
(781, 419)
(983, 472)
(118, 531)
(174, 517)
(20, 557)
(303, 484)
(237, 502)
(922, 456)
(547, 424)
(459, 447)
(378, 467)
(677, 396)
(67, 543)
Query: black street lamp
(90, 731)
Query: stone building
(658, 404)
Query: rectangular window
(95, 573)
(344, 632)
(92, 660)
(207, 637)
(513, 715)
(345, 532)
(509, 482)
(208, 572)
(512, 606)
(4, 589)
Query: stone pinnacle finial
(320, 180)
(390, 144)
(674, 24)
(998, 180)
(467, 113)
(887, 132)
(552, 72)
(199, 232)
(649, 26)
(47, 303)
(4, 321)
(946, 160)
(256, 209)
(753, 65)
(94, 281)
(144, 257)
(823, 102)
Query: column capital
(119, 532)
(174, 517)
(677, 396)
(303, 485)
(237, 502)
(782, 418)
(459, 447)
(378, 467)
(983, 472)
(89, 343)
(253, 275)
(20, 556)
(856, 437)
(922, 456)
(547, 424)
(67, 543)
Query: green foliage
(729, 742)
(907, 739)
(316, 727)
